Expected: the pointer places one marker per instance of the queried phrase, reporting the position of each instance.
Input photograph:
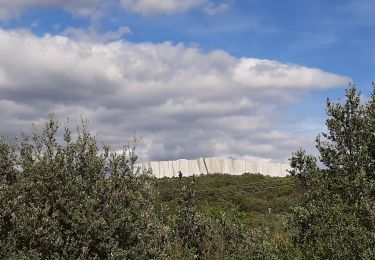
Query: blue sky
(258, 72)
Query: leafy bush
(73, 201)
(337, 217)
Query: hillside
(256, 199)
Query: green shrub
(336, 219)
(73, 201)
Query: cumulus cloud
(182, 102)
(267, 72)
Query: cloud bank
(182, 102)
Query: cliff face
(214, 165)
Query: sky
(231, 78)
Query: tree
(337, 217)
(74, 200)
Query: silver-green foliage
(337, 217)
(75, 201)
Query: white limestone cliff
(214, 165)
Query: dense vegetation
(257, 200)
(72, 199)
(336, 219)
(68, 201)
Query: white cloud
(280, 75)
(94, 9)
(183, 102)
(152, 7)
(148, 7)
(213, 9)
(91, 34)
(83, 8)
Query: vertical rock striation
(214, 165)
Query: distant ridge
(213, 165)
